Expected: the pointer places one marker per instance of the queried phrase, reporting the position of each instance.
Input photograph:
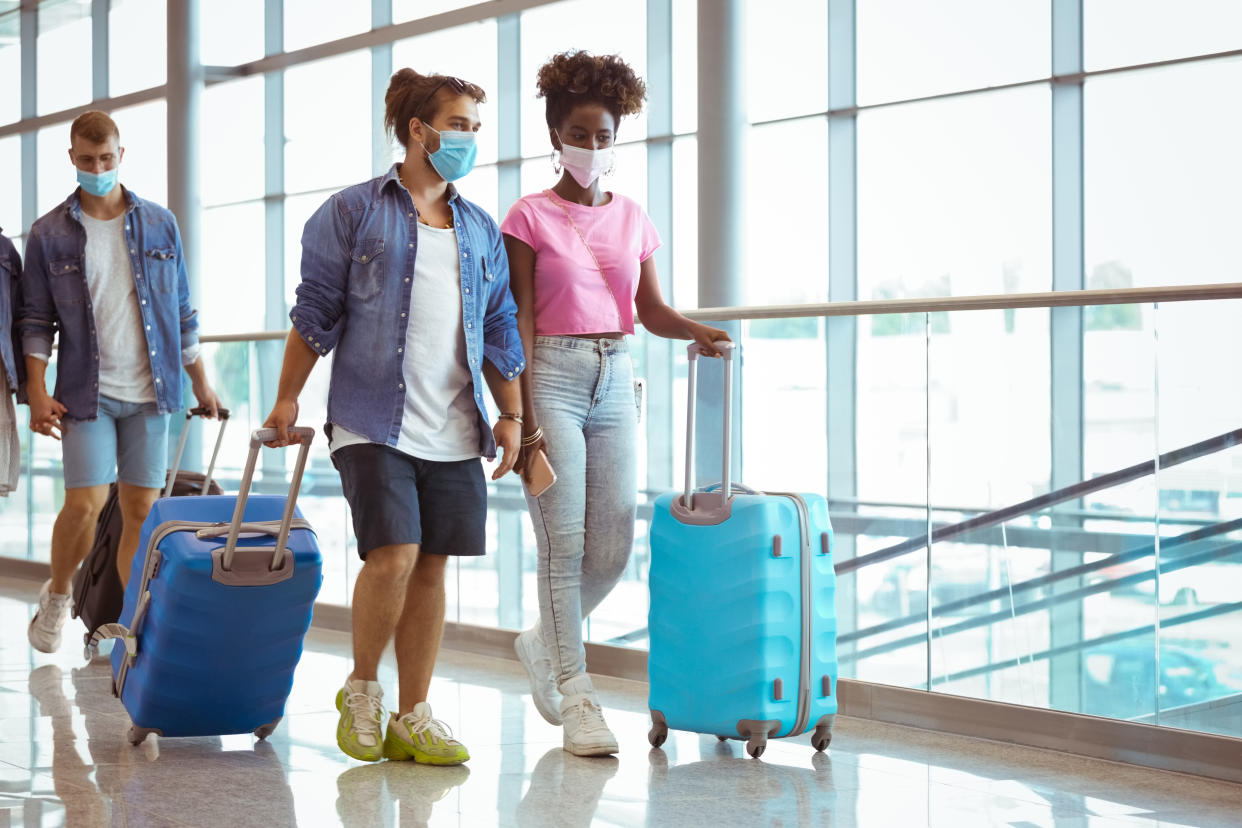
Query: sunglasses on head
(458, 85)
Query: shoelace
(435, 727)
(368, 711)
(590, 717)
(52, 619)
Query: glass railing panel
(1199, 592)
(886, 509)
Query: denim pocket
(366, 273)
(65, 280)
(161, 266)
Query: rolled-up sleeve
(320, 305)
(189, 316)
(502, 345)
(36, 316)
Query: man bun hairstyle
(576, 77)
(95, 126)
(411, 95)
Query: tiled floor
(65, 760)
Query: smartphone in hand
(541, 474)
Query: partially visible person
(105, 282)
(581, 263)
(408, 283)
(12, 372)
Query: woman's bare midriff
(609, 335)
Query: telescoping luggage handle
(257, 438)
(726, 348)
(223, 414)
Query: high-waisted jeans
(584, 525)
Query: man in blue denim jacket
(12, 372)
(408, 283)
(105, 274)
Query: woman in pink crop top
(580, 264)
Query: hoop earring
(555, 158)
(612, 169)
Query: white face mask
(587, 165)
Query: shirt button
(144, 301)
(153, 353)
(148, 327)
(411, 215)
(469, 324)
(364, 258)
(399, 350)
(132, 250)
(508, 374)
(401, 385)
(403, 316)
(407, 278)
(467, 290)
(411, 244)
(157, 379)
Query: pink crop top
(570, 294)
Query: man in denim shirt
(12, 372)
(104, 271)
(409, 283)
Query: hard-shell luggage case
(742, 616)
(215, 612)
(97, 591)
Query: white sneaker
(586, 732)
(533, 654)
(45, 627)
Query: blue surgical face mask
(98, 185)
(455, 157)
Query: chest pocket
(161, 269)
(366, 272)
(65, 281)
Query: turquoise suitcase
(742, 615)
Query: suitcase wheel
(657, 734)
(722, 738)
(137, 735)
(757, 744)
(821, 737)
(263, 731)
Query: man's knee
(393, 563)
(136, 501)
(429, 570)
(83, 505)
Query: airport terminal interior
(982, 267)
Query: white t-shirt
(124, 368)
(441, 421)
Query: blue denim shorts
(398, 499)
(126, 441)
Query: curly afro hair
(573, 78)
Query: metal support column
(658, 354)
(100, 83)
(29, 23)
(1066, 336)
(381, 73)
(270, 354)
(185, 90)
(509, 110)
(723, 132)
(841, 335)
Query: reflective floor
(65, 760)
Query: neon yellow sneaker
(360, 732)
(426, 740)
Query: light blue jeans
(584, 525)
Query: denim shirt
(10, 342)
(56, 299)
(358, 253)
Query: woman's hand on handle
(707, 337)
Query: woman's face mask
(587, 165)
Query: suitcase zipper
(804, 683)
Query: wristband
(534, 437)
(506, 415)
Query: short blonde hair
(95, 126)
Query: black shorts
(398, 499)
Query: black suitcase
(97, 591)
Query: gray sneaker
(533, 654)
(45, 627)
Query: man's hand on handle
(283, 417)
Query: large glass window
(232, 32)
(787, 58)
(328, 122)
(10, 66)
(909, 48)
(1162, 203)
(232, 293)
(232, 143)
(403, 10)
(468, 52)
(308, 22)
(685, 66)
(138, 32)
(144, 134)
(954, 196)
(577, 24)
(54, 173)
(11, 192)
(64, 29)
(1123, 32)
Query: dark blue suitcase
(215, 612)
(742, 617)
